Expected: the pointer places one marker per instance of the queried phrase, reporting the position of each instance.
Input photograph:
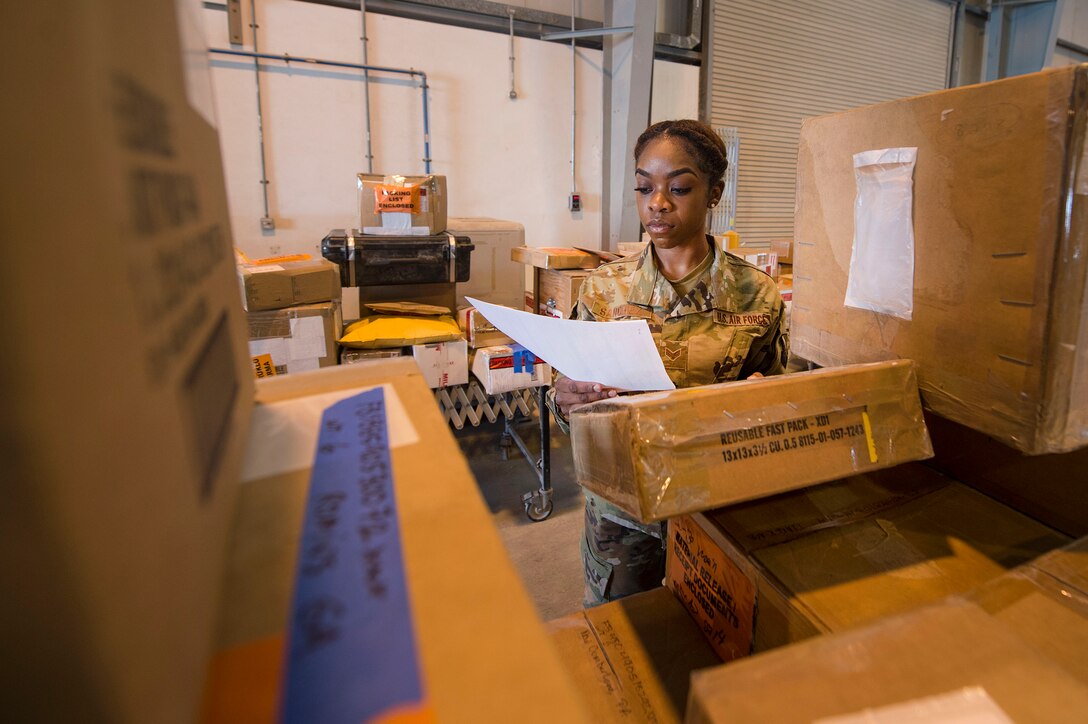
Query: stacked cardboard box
(119, 463)
(998, 294)
(662, 454)
(1012, 649)
(553, 276)
(482, 651)
(293, 310)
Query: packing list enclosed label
(717, 594)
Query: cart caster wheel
(537, 513)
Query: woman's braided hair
(698, 138)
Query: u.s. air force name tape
(351, 648)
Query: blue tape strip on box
(523, 359)
(351, 648)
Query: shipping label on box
(402, 205)
(443, 364)
(288, 283)
(504, 368)
(720, 596)
(658, 455)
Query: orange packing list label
(398, 199)
(262, 366)
(716, 593)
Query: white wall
(508, 159)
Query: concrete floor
(545, 553)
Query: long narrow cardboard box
(482, 650)
(999, 324)
(124, 379)
(659, 455)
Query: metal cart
(469, 403)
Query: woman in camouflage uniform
(713, 316)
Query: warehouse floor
(545, 553)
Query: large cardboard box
(658, 455)
(275, 286)
(296, 339)
(999, 305)
(1045, 603)
(775, 571)
(402, 205)
(632, 659)
(119, 463)
(942, 663)
(483, 653)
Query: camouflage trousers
(620, 556)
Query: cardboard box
(632, 659)
(502, 369)
(402, 205)
(772, 572)
(998, 323)
(554, 257)
(1045, 609)
(661, 454)
(482, 650)
(119, 463)
(556, 291)
(443, 364)
(478, 331)
(275, 286)
(783, 249)
(1049, 488)
(941, 663)
(296, 339)
(349, 356)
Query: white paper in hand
(615, 354)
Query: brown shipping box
(1045, 603)
(632, 659)
(940, 663)
(296, 339)
(275, 286)
(119, 464)
(999, 297)
(556, 291)
(658, 455)
(555, 257)
(403, 205)
(771, 572)
(482, 650)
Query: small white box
(443, 364)
(495, 368)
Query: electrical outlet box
(574, 203)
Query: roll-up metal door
(773, 63)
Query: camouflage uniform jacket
(727, 327)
